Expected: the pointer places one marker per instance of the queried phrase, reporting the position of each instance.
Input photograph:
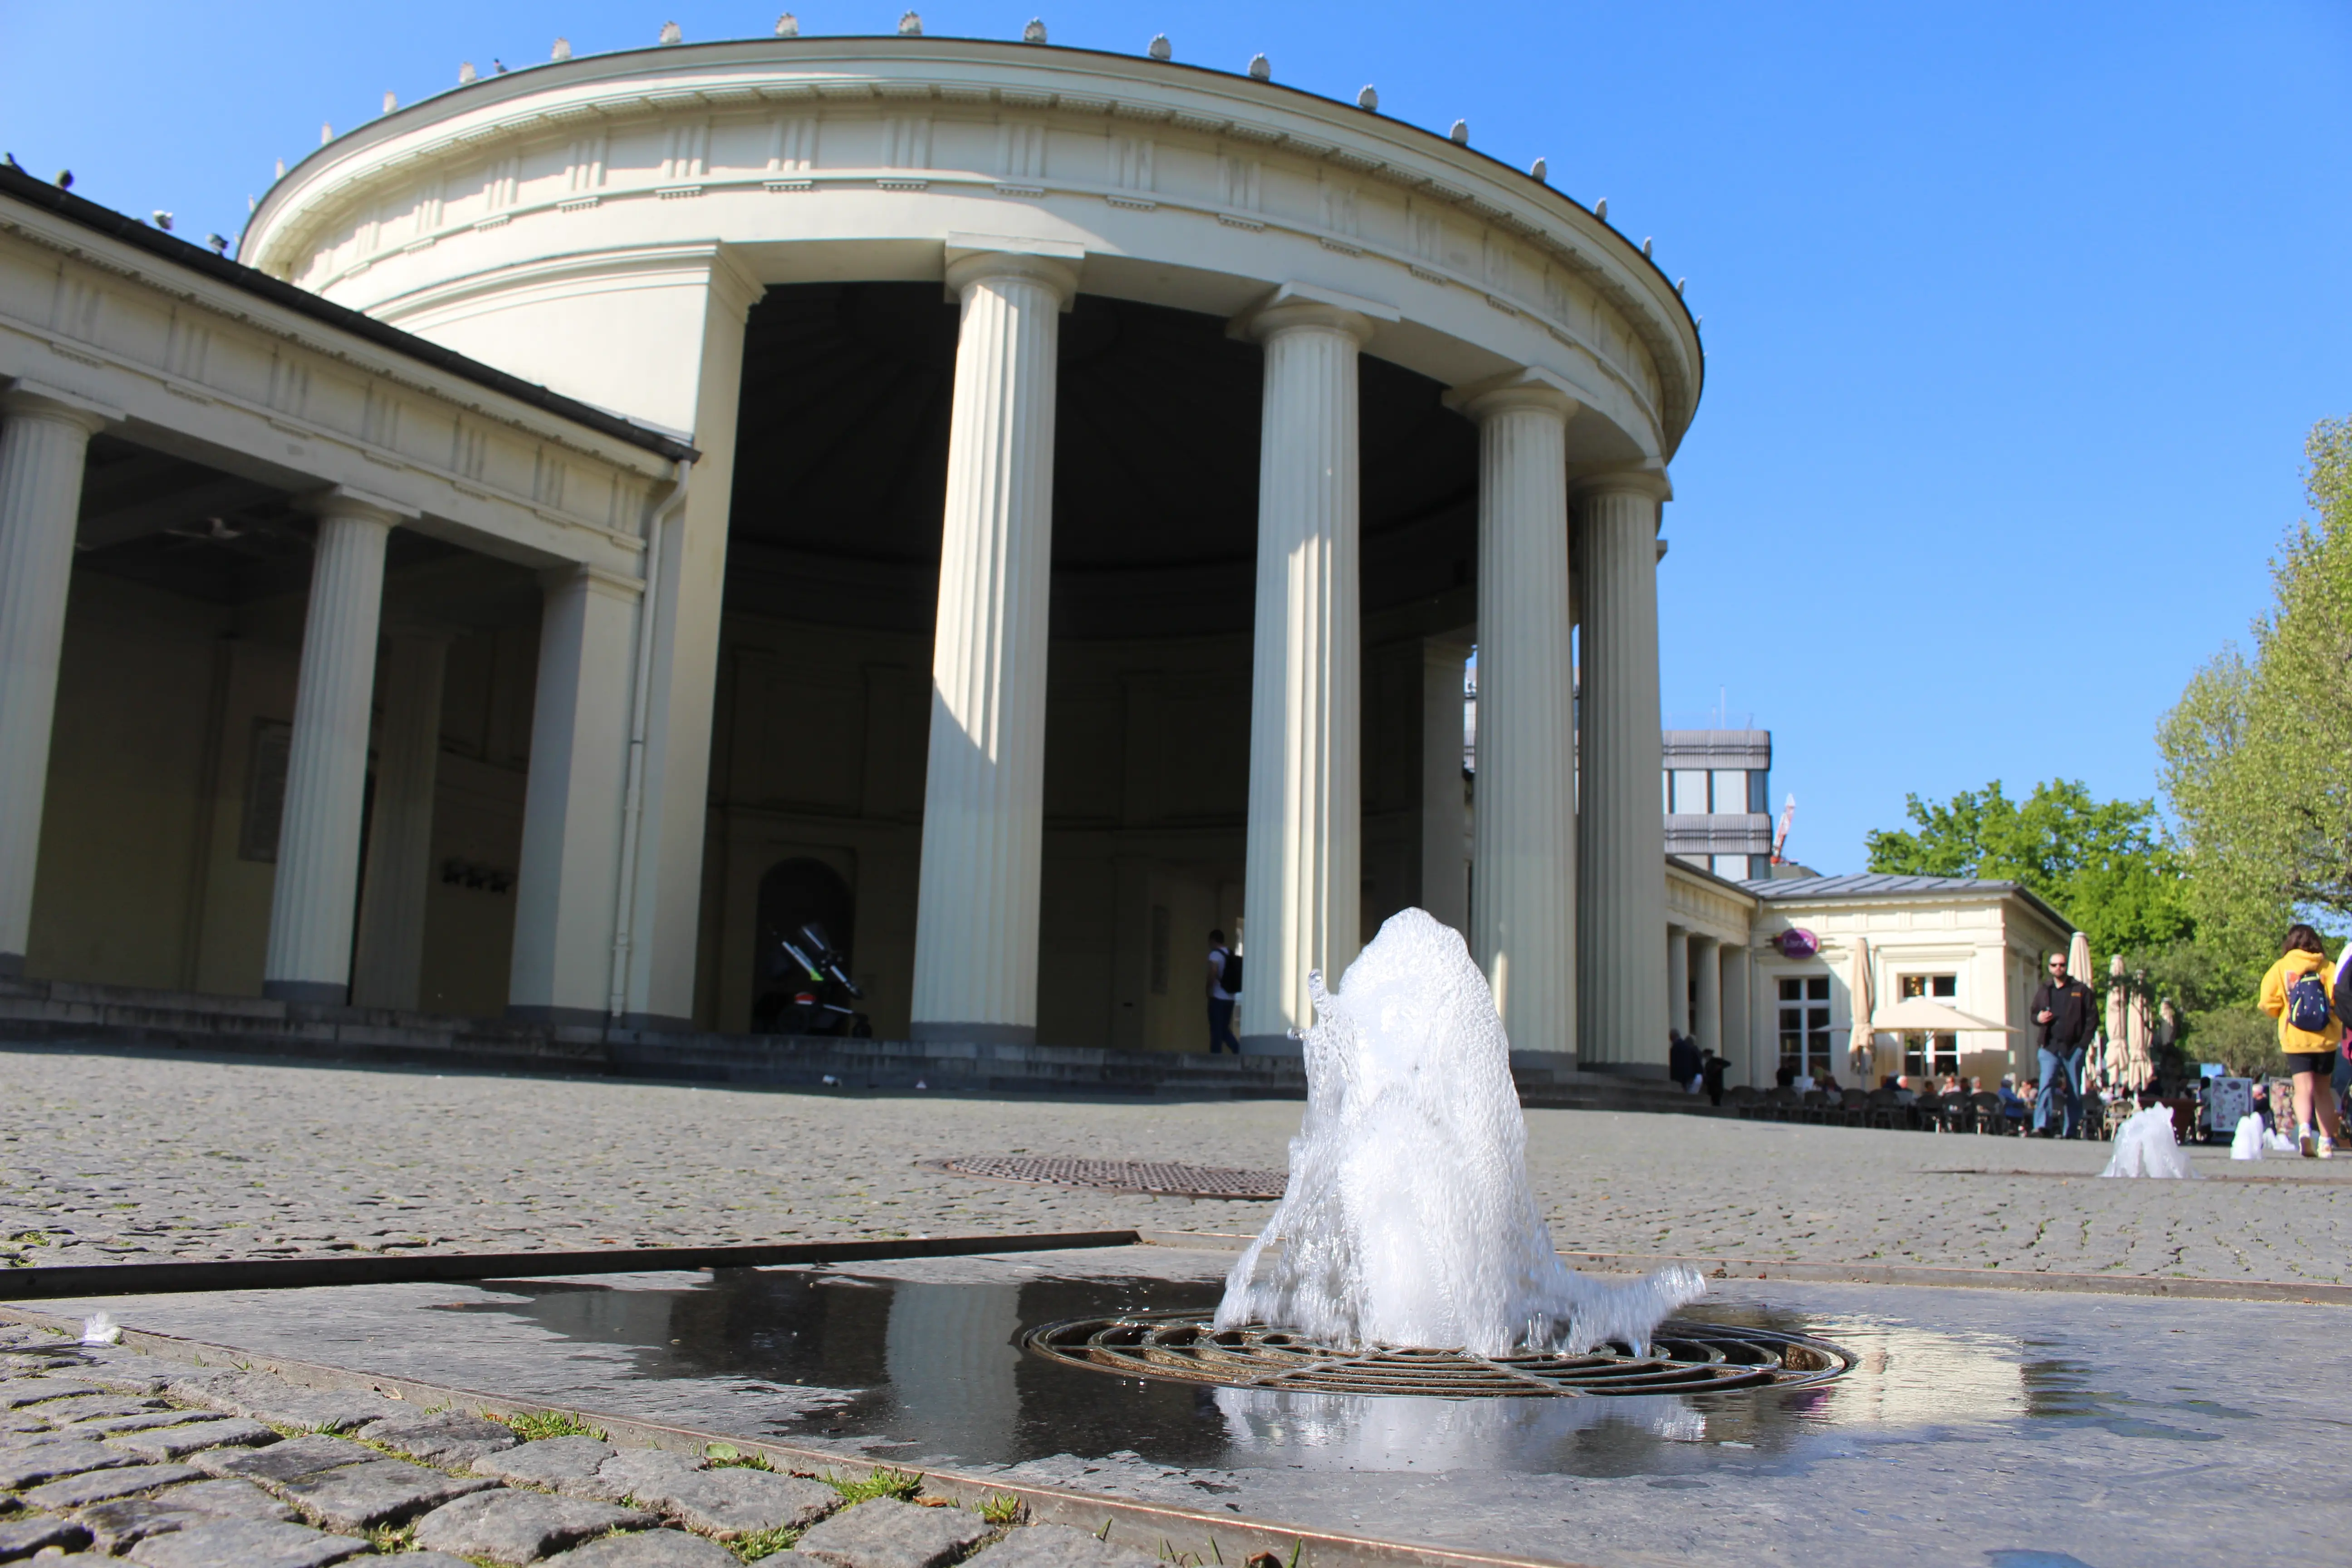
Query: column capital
(1525, 388)
(1651, 481)
(977, 258)
(1295, 305)
(30, 399)
(342, 501)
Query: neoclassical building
(1022, 506)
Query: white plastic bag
(2248, 1144)
(2145, 1146)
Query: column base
(316, 992)
(975, 1034)
(556, 1017)
(1271, 1046)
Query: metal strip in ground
(2203, 1290)
(54, 1282)
(1173, 1535)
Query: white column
(1522, 915)
(310, 904)
(984, 790)
(390, 959)
(1445, 822)
(43, 437)
(1739, 1016)
(1706, 968)
(1301, 901)
(1678, 976)
(1620, 840)
(567, 888)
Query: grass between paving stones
(900, 1484)
(530, 1428)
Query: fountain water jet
(1408, 1220)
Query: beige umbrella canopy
(1862, 1052)
(2078, 958)
(1924, 1016)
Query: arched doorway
(793, 893)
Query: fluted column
(1445, 822)
(1523, 884)
(567, 888)
(1739, 1019)
(1620, 840)
(984, 790)
(1678, 978)
(43, 438)
(1706, 1011)
(390, 955)
(1302, 901)
(310, 904)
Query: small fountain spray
(1408, 1220)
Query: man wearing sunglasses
(2062, 1011)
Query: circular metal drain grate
(1685, 1358)
(1160, 1178)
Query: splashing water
(1408, 1219)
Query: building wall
(1991, 943)
(157, 844)
(819, 751)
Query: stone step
(60, 1012)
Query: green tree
(2103, 865)
(2257, 770)
(2258, 753)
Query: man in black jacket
(2062, 1011)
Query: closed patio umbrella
(1862, 1051)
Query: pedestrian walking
(1225, 985)
(2062, 1012)
(1682, 1060)
(1710, 1071)
(2296, 993)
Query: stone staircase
(66, 1013)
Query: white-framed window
(1936, 1053)
(1805, 1023)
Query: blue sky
(2016, 314)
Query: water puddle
(926, 1370)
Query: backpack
(2308, 1006)
(1231, 977)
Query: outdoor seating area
(1978, 1112)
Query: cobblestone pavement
(115, 1156)
(106, 1452)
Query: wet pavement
(1978, 1427)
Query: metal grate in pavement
(1158, 1178)
(1682, 1358)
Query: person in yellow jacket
(2310, 1053)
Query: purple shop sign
(1798, 942)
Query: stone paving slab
(552, 1462)
(279, 1403)
(264, 1160)
(654, 1549)
(245, 1544)
(279, 1462)
(521, 1527)
(24, 1537)
(732, 1502)
(382, 1491)
(1057, 1546)
(115, 1527)
(197, 1432)
(883, 1532)
(447, 1437)
(229, 1498)
(48, 1461)
(103, 1486)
